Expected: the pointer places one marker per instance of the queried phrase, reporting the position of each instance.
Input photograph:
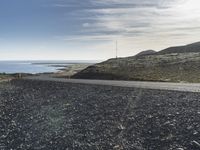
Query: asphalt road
(187, 87)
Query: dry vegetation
(174, 67)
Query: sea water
(34, 67)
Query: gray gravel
(187, 87)
(48, 115)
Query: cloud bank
(88, 29)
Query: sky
(88, 29)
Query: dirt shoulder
(6, 77)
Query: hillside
(175, 64)
(147, 52)
(194, 47)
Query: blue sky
(88, 29)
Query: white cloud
(138, 25)
(174, 20)
(86, 25)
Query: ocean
(34, 67)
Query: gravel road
(47, 115)
(187, 87)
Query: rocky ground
(63, 116)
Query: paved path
(188, 87)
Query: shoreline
(65, 72)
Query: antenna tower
(116, 49)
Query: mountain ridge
(194, 47)
(174, 64)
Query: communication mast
(116, 49)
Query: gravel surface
(187, 87)
(65, 116)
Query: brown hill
(175, 64)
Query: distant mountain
(195, 47)
(147, 52)
(174, 64)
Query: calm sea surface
(35, 66)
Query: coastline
(64, 72)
